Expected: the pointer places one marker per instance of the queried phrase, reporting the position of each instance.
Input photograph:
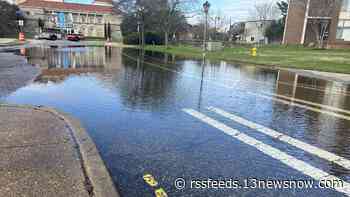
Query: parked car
(49, 34)
(73, 37)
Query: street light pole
(206, 7)
(141, 24)
(139, 31)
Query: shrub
(154, 38)
(8, 23)
(150, 38)
(132, 38)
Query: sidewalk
(7, 40)
(45, 153)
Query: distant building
(96, 19)
(186, 33)
(302, 14)
(251, 32)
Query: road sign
(21, 36)
(21, 23)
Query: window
(83, 18)
(343, 30)
(252, 39)
(75, 18)
(68, 17)
(99, 19)
(345, 6)
(92, 19)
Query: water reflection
(130, 102)
(58, 64)
(328, 132)
(145, 86)
(311, 89)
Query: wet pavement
(153, 114)
(15, 73)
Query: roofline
(254, 21)
(22, 5)
(68, 10)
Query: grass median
(297, 57)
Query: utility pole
(141, 14)
(139, 31)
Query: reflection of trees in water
(144, 85)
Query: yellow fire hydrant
(253, 51)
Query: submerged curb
(98, 181)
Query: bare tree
(265, 11)
(236, 30)
(172, 15)
(124, 6)
(219, 24)
(170, 10)
(163, 16)
(8, 24)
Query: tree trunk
(166, 38)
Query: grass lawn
(10, 42)
(328, 60)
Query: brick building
(92, 19)
(301, 27)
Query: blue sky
(238, 10)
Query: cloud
(237, 10)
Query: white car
(49, 35)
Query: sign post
(21, 34)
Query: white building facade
(91, 20)
(254, 32)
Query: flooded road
(192, 120)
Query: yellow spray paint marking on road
(150, 180)
(161, 193)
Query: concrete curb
(99, 181)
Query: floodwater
(132, 105)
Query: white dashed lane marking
(275, 153)
(284, 138)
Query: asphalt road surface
(200, 128)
